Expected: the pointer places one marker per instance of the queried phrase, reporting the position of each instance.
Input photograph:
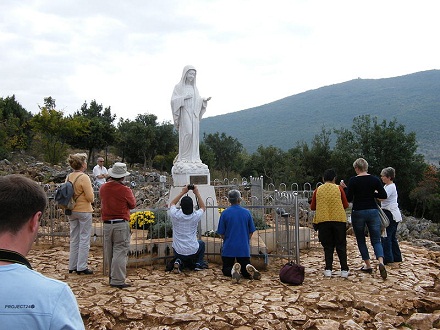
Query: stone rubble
(408, 299)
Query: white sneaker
(177, 266)
(255, 274)
(327, 273)
(236, 272)
(344, 273)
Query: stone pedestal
(190, 173)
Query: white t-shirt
(98, 170)
(390, 203)
(30, 300)
(185, 230)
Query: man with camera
(189, 252)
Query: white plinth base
(185, 173)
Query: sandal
(366, 270)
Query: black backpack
(64, 194)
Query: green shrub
(163, 227)
(259, 221)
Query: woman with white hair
(390, 206)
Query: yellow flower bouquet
(142, 220)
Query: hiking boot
(255, 274)
(236, 272)
(177, 266)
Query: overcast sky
(129, 54)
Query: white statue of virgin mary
(188, 108)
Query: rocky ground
(408, 299)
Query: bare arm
(179, 196)
(200, 199)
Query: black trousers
(228, 263)
(332, 235)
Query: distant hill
(414, 100)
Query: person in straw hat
(116, 202)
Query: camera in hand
(190, 187)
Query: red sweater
(116, 201)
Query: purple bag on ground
(292, 273)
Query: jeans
(332, 235)
(80, 230)
(371, 219)
(390, 245)
(192, 259)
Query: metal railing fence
(282, 218)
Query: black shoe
(383, 271)
(72, 271)
(85, 272)
(198, 267)
(366, 270)
(120, 286)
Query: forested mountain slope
(414, 100)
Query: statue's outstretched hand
(207, 99)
